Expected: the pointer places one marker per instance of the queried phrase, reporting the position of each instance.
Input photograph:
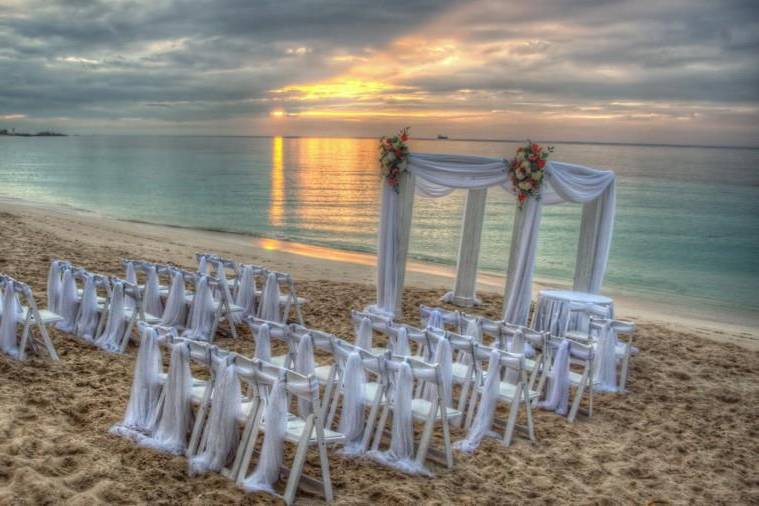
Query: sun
(279, 113)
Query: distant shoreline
(6, 133)
(450, 139)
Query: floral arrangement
(526, 170)
(393, 155)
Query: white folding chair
(280, 332)
(430, 412)
(28, 316)
(513, 389)
(304, 433)
(448, 320)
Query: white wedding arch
(437, 175)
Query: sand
(685, 433)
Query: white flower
(525, 165)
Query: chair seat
(420, 409)
(460, 372)
(46, 317)
(278, 360)
(529, 364)
(233, 308)
(575, 378)
(149, 318)
(370, 391)
(80, 292)
(322, 373)
(282, 298)
(296, 426)
(621, 350)
(198, 391)
(506, 391)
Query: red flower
(404, 137)
(541, 163)
(522, 197)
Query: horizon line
(456, 139)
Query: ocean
(686, 231)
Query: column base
(460, 301)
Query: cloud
(481, 69)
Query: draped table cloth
(552, 311)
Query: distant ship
(442, 137)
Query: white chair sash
(246, 294)
(110, 339)
(153, 304)
(131, 277)
(263, 344)
(146, 389)
(86, 327)
(352, 415)
(275, 427)
(222, 425)
(9, 322)
(170, 435)
(557, 399)
(364, 335)
(54, 287)
(401, 346)
(202, 312)
(483, 421)
(69, 303)
(174, 312)
(304, 364)
(270, 300)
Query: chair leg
(528, 411)
(380, 427)
(24, 342)
(424, 442)
(371, 419)
(446, 437)
(508, 434)
(462, 402)
(300, 458)
(248, 444)
(623, 371)
(323, 459)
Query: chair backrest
(323, 341)
(415, 335)
(508, 361)
(488, 328)
(451, 319)
(379, 323)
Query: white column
(469, 250)
(405, 211)
(524, 241)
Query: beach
(685, 432)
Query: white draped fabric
(483, 420)
(275, 427)
(170, 435)
(437, 175)
(304, 364)
(131, 277)
(201, 312)
(246, 294)
(352, 414)
(146, 389)
(86, 326)
(68, 303)
(153, 304)
(9, 321)
(364, 334)
(54, 287)
(174, 312)
(222, 425)
(270, 300)
(110, 339)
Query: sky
(664, 71)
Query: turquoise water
(686, 229)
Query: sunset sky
(675, 71)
